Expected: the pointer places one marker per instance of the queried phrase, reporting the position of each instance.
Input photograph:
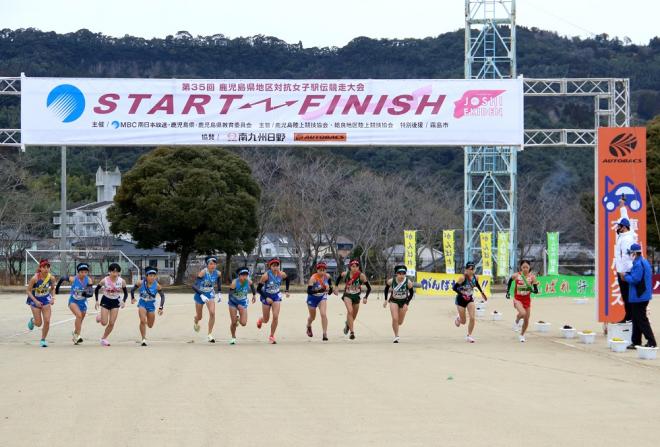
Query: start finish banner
(88, 111)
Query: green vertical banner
(503, 254)
(553, 253)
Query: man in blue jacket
(640, 293)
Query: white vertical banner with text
(410, 251)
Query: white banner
(87, 111)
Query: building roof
(88, 207)
(128, 248)
(10, 233)
(569, 250)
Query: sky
(319, 23)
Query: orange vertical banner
(620, 192)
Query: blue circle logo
(66, 102)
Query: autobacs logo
(621, 147)
(66, 102)
(623, 144)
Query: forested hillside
(540, 54)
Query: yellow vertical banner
(486, 254)
(448, 248)
(410, 251)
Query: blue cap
(624, 223)
(82, 266)
(242, 271)
(149, 270)
(636, 248)
(211, 258)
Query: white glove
(218, 297)
(205, 299)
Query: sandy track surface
(431, 389)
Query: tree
(20, 220)
(190, 199)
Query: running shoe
(469, 339)
(232, 341)
(522, 339)
(144, 342)
(352, 336)
(259, 323)
(43, 343)
(211, 339)
(309, 331)
(457, 321)
(396, 339)
(195, 326)
(30, 324)
(105, 342)
(516, 326)
(271, 340)
(325, 337)
(346, 328)
(74, 338)
(80, 339)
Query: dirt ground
(431, 389)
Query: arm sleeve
(219, 283)
(508, 285)
(125, 290)
(96, 292)
(456, 286)
(478, 285)
(133, 291)
(311, 290)
(260, 288)
(252, 288)
(368, 286)
(535, 288)
(59, 283)
(387, 291)
(338, 280)
(411, 293)
(636, 274)
(286, 283)
(329, 284)
(162, 298)
(195, 285)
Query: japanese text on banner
(486, 253)
(503, 253)
(410, 251)
(440, 284)
(553, 253)
(448, 248)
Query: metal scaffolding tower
(490, 171)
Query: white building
(91, 219)
(107, 183)
(427, 258)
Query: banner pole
(63, 216)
